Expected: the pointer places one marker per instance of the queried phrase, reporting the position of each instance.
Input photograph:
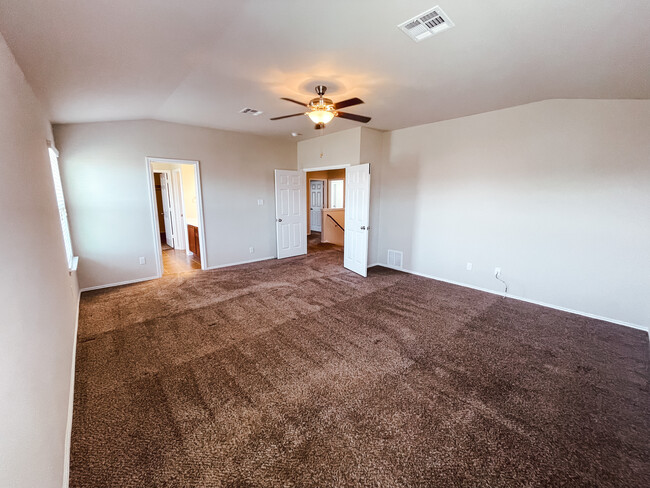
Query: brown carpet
(300, 373)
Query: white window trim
(60, 201)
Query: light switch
(260, 202)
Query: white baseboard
(522, 299)
(109, 285)
(68, 427)
(219, 266)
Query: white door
(179, 215)
(357, 214)
(167, 209)
(290, 213)
(316, 205)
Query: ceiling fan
(322, 110)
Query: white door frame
(326, 168)
(154, 216)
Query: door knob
(279, 220)
(363, 227)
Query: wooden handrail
(337, 224)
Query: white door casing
(290, 213)
(357, 215)
(316, 205)
(167, 209)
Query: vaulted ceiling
(201, 61)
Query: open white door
(167, 208)
(179, 214)
(357, 214)
(290, 212)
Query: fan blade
(358, 118)
(294, 101)
(287, 116)
(348, 103)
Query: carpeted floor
(300, 373)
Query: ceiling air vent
(426, 24)
(250, 111)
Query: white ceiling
(201, 61)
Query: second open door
(357, 215)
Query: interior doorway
(344, 218)
(326, 190)
(177, 215)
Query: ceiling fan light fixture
(321, 116)
(322, 110)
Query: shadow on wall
(399, 204)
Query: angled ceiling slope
(201, 62)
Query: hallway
(314, 244)
(177, 261)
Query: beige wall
(39, 297)
(556, 193)
(353, 146)
(331, 149)
(189, 192)
(109, 206)
(372, 151)
(331, 232)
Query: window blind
(63, 214)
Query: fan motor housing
(321, 103)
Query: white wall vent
(427, 24)
(395, 258)
(250, 111)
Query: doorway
(348, 228)
(326, 209)
(177, 215)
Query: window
(63, 214)
(336, 193)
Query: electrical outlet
(497, 272)
(260, 202)
(142, 260)
(469, 266)
(251, 249)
